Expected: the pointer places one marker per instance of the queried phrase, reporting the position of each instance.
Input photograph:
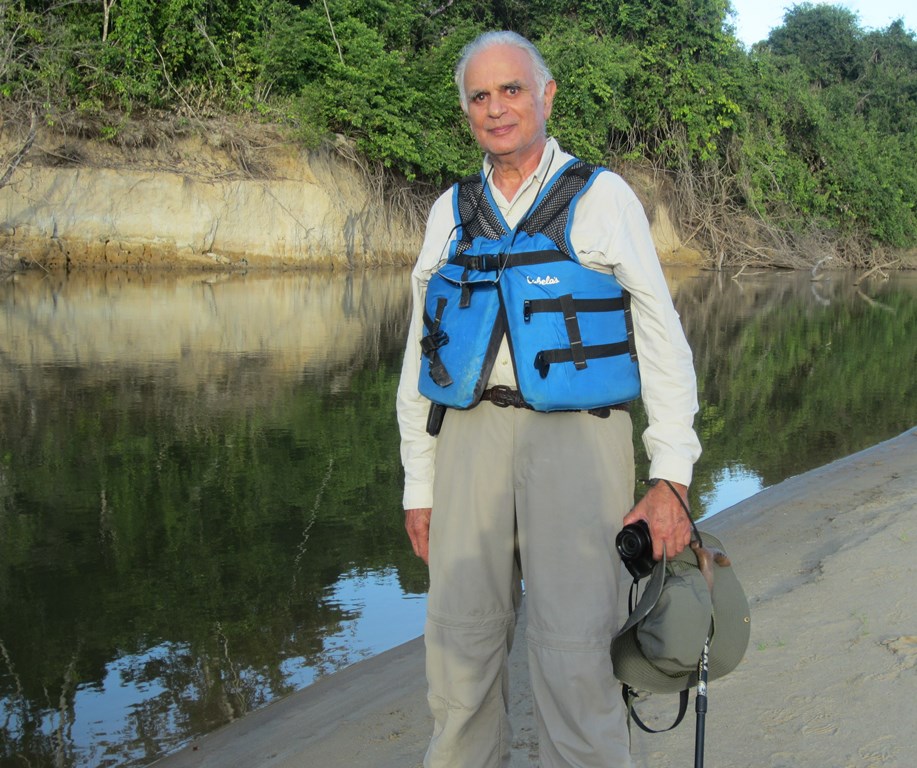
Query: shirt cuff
(675, 469)
(417, 496)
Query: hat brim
(731, 630)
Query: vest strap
(533, 306)
(494, 262)
(546, 357)
(573, 332)
(629, 326)
(429, 345)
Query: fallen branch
(817, 267)
(877, 268)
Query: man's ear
(550, 89)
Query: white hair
(490, 39)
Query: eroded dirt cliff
(218, 196)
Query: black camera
(636, 549)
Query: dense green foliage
(814, 128)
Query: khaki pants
(562, 482)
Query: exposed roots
(735, 237)
(709, 203)
(401, 199)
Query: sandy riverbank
(828, 562)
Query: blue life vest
(569, 327)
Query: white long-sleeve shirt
(610, 234)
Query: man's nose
(495, 106)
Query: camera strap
(656, 481)
(631, 696)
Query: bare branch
(331, 24)
(20, 154)
(107, 5)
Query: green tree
(887, 92)
(593, 103)
(825, 38)
(133, 56)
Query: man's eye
(512, 90)
(479, 97)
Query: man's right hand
(417, 523)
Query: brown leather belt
(505, 397)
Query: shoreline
(825, 559)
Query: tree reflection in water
(200, 478)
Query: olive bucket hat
(659, 647)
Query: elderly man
(540, 310)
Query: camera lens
(630, 543)
(636, 548)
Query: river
(200, 482)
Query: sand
(829, 679)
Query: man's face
(506, 112)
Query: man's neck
(511, 171)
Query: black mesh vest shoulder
(477, 218)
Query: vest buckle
(433, 341)
(542, 365)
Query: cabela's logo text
(549, 280)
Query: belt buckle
(502, 396)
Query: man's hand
(667, 520)
(417, 523)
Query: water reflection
(190, 475)
(794, 372)
(200, 485)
